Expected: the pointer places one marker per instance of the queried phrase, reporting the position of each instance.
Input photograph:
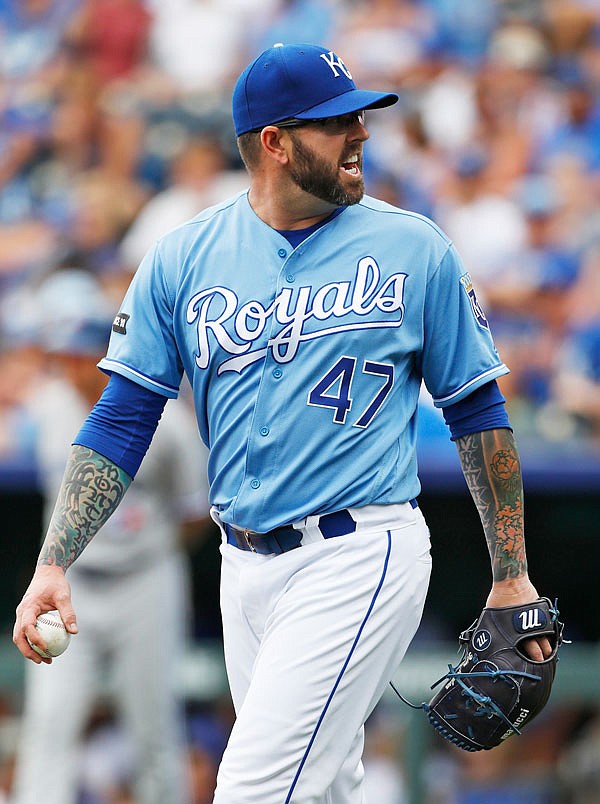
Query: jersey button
(290, 278)
(277, 373)
(282, 252)
(264, 431)
(255, 483)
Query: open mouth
(351, 166)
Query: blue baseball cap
(304, 81)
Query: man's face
(329, 166)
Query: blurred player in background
(131, 587)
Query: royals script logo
(292, 316)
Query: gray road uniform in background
(131, 590)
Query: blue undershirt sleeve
(482, 410)
(122, 423)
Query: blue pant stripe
(345, 665)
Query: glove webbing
(486, 704)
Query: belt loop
(339, 523)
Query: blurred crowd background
(115, 127)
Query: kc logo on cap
(336, 64)
(301, 81)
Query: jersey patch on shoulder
(467, 284)
(120, 323)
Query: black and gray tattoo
(491, 466)
(92, 488)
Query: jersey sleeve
(142, 345)
(458, 354)
(482, 410)
(121, 424)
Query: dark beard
(315, 176)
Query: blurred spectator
(102, 208)
(21, 361)
(197, 44)
(32, 56)
(388, 39)
(577, 370)
(142, 544)
(447, 104)
(516, 101)
(525, 296)
(112, 37)
(198, 179)
(464, 27)
(487, 227)
(19, 368)
(32, 65)
(293, 21)
(578, 133)
(577, 381)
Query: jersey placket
(263, 455)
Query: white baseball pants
(312, 637)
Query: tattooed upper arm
(491, 466)
(92, 488)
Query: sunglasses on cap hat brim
(338, 124)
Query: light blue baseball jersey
(305, 362)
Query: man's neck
(288, 211)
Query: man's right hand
(48, 590)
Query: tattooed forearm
(91, 490)
(491, 467)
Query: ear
(276, 143)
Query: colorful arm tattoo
(491, 466)
(91, 490)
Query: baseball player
(306, 316)
(129, 587)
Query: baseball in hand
(54, 634)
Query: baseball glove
(496, 689)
